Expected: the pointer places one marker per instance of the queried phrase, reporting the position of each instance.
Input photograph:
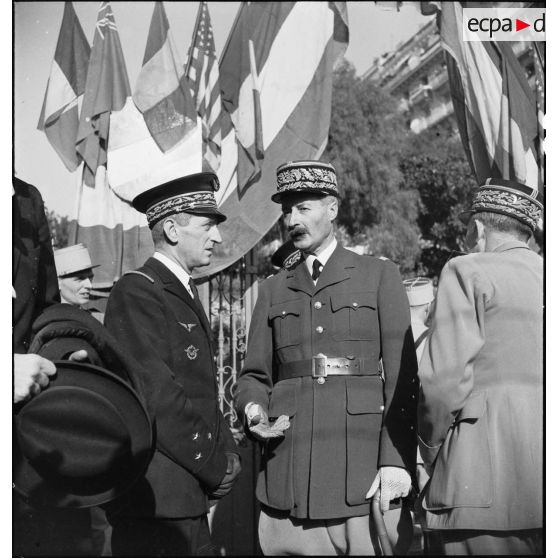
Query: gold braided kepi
(507, 197)
(189, 194)
(305, 177)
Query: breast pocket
(354, 315)
(285, 320)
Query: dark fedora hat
(190, 194)
(308, 177)
(83, 441)
(507, 197)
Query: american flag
(539, 60)
(203, 77)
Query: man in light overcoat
(481, 404)
(318, 332)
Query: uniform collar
(322, 258)
(510, 245)
(179, 272)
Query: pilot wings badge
(188, 327)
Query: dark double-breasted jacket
(33, 272)
(154, 318)
(343, 429)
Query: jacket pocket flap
(365, 395)
(474, 408)
(353, 300)
(283, 400)
(284, 308)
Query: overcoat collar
(510, 245)
(335, 271)
(172, 284)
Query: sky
(373, 31)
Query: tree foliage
(435, 164)
(366, 140)
(59, 229)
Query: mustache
(297, 231)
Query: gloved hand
(233, 470)
(259, 426)
(394, 482)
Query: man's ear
(170, 231)
(481, 230)
(332, 208)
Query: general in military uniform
(156, 314)
(481, 406)
(318, 333)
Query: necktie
(193, 290)
(316, 269)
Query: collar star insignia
(188, 327)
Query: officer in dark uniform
(156, 314)
(317, 335)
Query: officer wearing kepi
(156, 315)
(333, 429)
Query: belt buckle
(319, 366)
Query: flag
(539, 54)
(295, 48)
(106, 89)
(494, 106)
(203, 77)
(162, 94)
(59, 117)
(116, 234)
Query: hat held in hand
(81, 442)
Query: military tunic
(155, 319)
(343, 429)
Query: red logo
(519, 24)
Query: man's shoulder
(368, 262)
(142, 278)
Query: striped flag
(539, 55)
(66, 84)
(203, 76)
(162, 94)
(106, 89)
(295, 47)
(494, 106)
(115, 233)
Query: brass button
(382, 407)
(317, 305)
(209, 435)
(283, 313)
(320, 329)
(355, 304)
(321, 381)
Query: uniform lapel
(298, 279)
(172, 285)
(336, 268)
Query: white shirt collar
(322, 258)
(179, 272)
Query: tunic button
(209, 435)
(283, 313)
(355, 304)
(321, 381)
(412, 427)
(320, 329)
(317, 305)
(382, 407)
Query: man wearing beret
(156, 314)
(334, 428)
(481, 401)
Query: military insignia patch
(188, 327)
(192, 352)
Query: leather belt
(321, 366)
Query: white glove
(394, 482)
(258, 423)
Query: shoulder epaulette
(140, 273)
(383, 258)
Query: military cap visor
(191, 194)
